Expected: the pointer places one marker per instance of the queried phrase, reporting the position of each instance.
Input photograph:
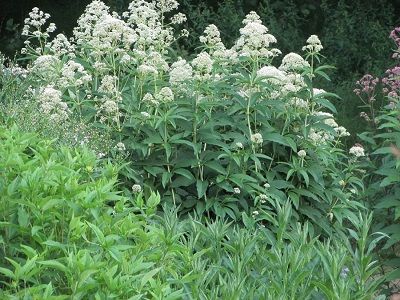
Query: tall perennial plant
(221, 133)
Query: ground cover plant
(64, 222)
(221, 175)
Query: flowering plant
(222, 132)
(383, 141)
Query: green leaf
(148, 276)
(153, 200)
(154, 170)
(215, 165)
(383, 150)
(115, 253)
(23, 217)
(7, 273)
(394, 275)
(98, 233)
(201, 188)
(326, 103)
(305, 176)
(166, 176)
(54, 264)
(184, 173)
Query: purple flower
(345, 272)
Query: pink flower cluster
(395, 36)
(391, 82)
(367, 86)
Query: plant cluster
(242, 148)
(68, 233)
(383, 139)
(223, 132)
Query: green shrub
(383, 140)
(66, 232)
(222, 136)
(222, 133)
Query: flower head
(136, 188)
(302, 153)
(257, 138)
(292, 62)
(357, 150)
(313, 44)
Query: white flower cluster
(145, 114)
(273, 74)
(217, 50)
(179, 18)
(37, 18)
(254, 40)
(298, 103)
(94, 12)
(33, 24)
(319, 137)
(145, 69)
(302, 153)
(108, 110)
(73, 74)
(341, 131)
(109, 32)
(156, 60)
(318, 92)
(293, 62)
(329, 120)
(149, 99)
(120, 147)
(180, 72)
(46, 67)
(14, 70)
(126, 59)
(109, 85)
(212, 38)
(51, 104)
(136, 188)
(165, 95)
(60, 45)
(239, 145)
(313, 44)
(285, 82)
(202, 66)
(145, 17)
(294, 83)
(257, 138)
(141, 12)
(166, 5)
(357, 151)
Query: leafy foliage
(383, 138)
(221, 133)
(67, 233)
(259, 196)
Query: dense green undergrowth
(67, 233)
